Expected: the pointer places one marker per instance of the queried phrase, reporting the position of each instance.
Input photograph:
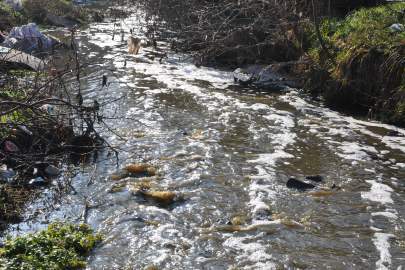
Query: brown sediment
(164, 199)
(145, 169)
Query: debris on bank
(28, 39)
(263, 75)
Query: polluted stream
(203, 166)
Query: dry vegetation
(360, 64)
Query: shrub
(59, 247)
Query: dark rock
(59, 21)
(297, 184)
(18, 60)
(394, 134)
(316, 178)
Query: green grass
(364, 29)
(369, 60)
(59, 247)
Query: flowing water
(218, 156)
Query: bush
(35, 10)
(59, 247)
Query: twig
(91, 177)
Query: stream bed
(203, 166)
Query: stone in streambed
(297, 184)
(316, 178)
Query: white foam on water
(354, 151)
(388, 215)
(237, 243)
(378, 193)
(381, 242)
(295, 99)
(271, 159)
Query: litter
(6, 174)
(29, 39)
(11, 146)
(37, 181)
(397, 27)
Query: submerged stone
(164, 199)
(316, 178)
(394, 133)
(297, 184)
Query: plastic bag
(29, 39)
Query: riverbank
(28, 11)
(43, 119)
(366, 67)
(361, 70)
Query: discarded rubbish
(26, 130)
(37, 181)
(10, 146)
(397, 27)
(29, 39)
(334, 187)
(2, 38)
(6, 174)
(47, 108)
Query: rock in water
(316, 178)
(294, 183)
(394, 134)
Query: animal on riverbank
(133, 45)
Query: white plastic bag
(30, 38)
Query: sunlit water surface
(232, 209)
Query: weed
(59, 247)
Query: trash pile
(28, 39)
